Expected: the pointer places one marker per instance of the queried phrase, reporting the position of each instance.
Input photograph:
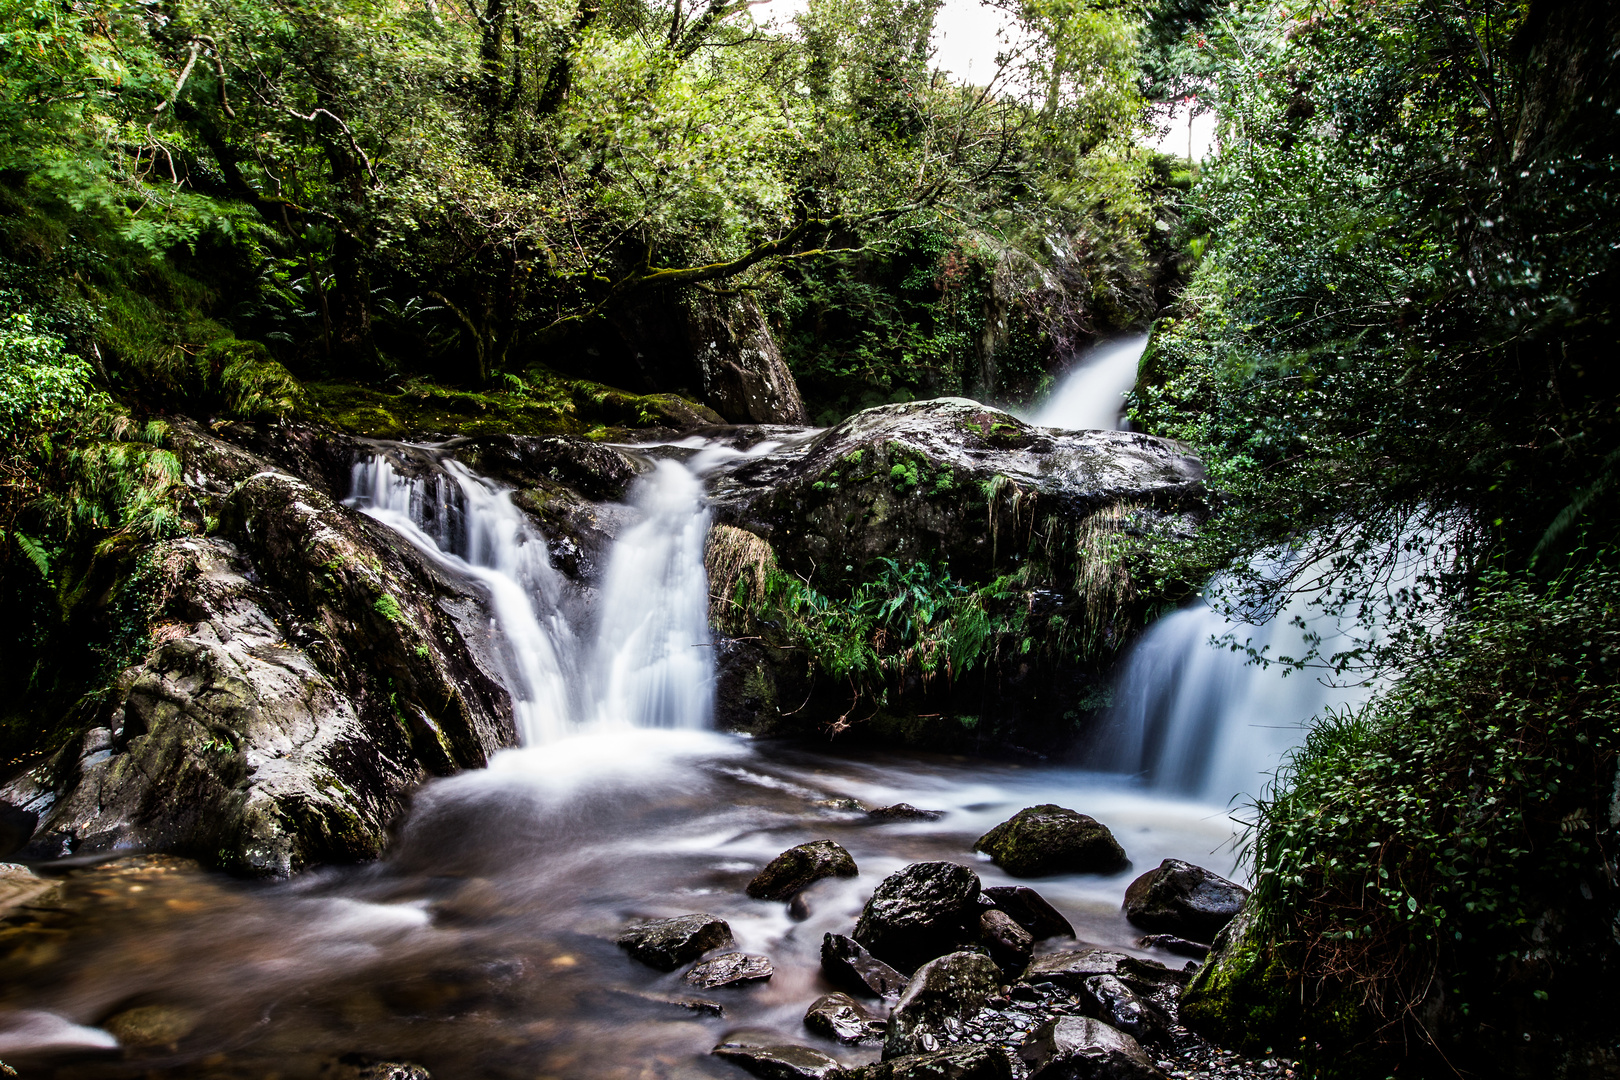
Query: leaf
(36, 554)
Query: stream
(482, 945)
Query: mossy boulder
(948, 480)
(1051, 839)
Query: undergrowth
(1447, 853)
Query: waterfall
(644, 662)
(1092, 394)
(1196, 717)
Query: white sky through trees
(967, 36)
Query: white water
(645, 660)
(1092, 395)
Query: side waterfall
(1092, 395)
(644, 661)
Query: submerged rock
(943, 993)
(841, 1017)
(903, 812)
(666, 944)
(848, 965)
(730, 969)
(778, 1061)
(798, 867)
(1080, 1048)
(954, 1063)
(1029, 909)
(360, 1067)
(919, 913)
(1051, 839)
(1185, 900)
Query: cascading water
(1092, 395)
(646, 664)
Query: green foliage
(1459, 827)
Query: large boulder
(946, 479)
(798, 867)
(1051, 839)
(918, 913)
(666, 944)
(848, 965)
(240, 740)
(1179, 898)
(953, 1063)
(1080, 1048)
(1028, 909)
(952, 988)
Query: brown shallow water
(482, 945)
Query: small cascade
(644, 662)
(1092, 395)
(653, 661)
(1199, 720)
(1194, 716)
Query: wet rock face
(841, 1017)
(848, 965)
(932, 480)
(730, 969)
(231, 742)
(797, 867)
(940, 997)
(955, 1063)
(744, 376)
(595, 470)
(1028, 909)
(919, 913)
(778, 1061)
(1185, 900)
(1080, 1048)
(1051, 839)
(666, 944)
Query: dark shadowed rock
(1010, 945)
(1071, 969)
(1080, 1048)
(950, 989)
(954, 1063)
(778, 1061)
(841, 1017)
(1030, 910)
(903, 812)
(730, 969)
(666, 944)
(16, 828)
(1178, 945)
(1107, 998)
(1051, 839)
(919, 913)
(797, 867)
(1179, 898)
(743, 374)
(848, 965)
